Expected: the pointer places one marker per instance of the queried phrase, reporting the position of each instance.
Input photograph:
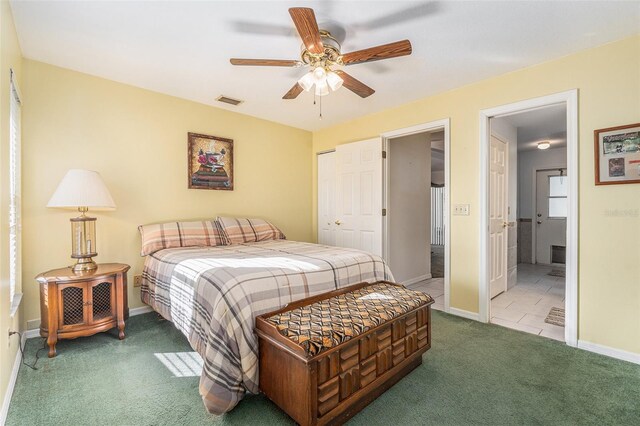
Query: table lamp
(82, 189)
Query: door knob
(337, 222)
(505, 224)
(539, 222)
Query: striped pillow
(181, 234)
(243, 230)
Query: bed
(213, 294)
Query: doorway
(416, 233)
(357, 200)
(528, 277)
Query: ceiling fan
(321, 52)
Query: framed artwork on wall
(210, 162)
(617, 154)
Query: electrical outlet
(11, 333)
(461, 209)
(137, 280)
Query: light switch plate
(461, 209)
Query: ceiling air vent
(228, 100)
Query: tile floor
(524, 307)
(434, 288)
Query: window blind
(437, 216)
(14, 191)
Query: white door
(498, 217)
(359, 195)
(327, 199)
(551, 214)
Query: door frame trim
(570, 98)
(318, 155)
(444, 124)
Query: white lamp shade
(319, 74)
(82, 188)
(334, 80)
(306, 82)
(322, 89)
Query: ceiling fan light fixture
(544, 145)
(307, 81)
(319, 74)
(334, 80)
(322, 88)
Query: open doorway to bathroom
(528, 220)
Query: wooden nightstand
(75, 305)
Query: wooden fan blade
(385, 51)
(293, 92)
(266, 62)
(307, 26)
(356, 86)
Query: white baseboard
(609, 351)
(417, 279)
(34, 324)
(464, 314)
(12, 382)
(29, 334)
(140, 310)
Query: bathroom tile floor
(523, 307)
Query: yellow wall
(608, 79)
(137, 140)
(10, 57)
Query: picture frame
(617, 155)
(210, 162)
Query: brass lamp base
(85, 264)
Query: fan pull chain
(320, 107)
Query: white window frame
(549, 197)
(15, 197)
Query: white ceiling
(183, 48)
(539, 125)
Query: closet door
(358, 221)
(327, 198)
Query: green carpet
(474, 374)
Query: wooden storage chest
(329, 380)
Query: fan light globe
(307, 81)
(322, 89)
(334, 81)
(319, 74)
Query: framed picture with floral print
(210, 162)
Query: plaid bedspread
(213, 294)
